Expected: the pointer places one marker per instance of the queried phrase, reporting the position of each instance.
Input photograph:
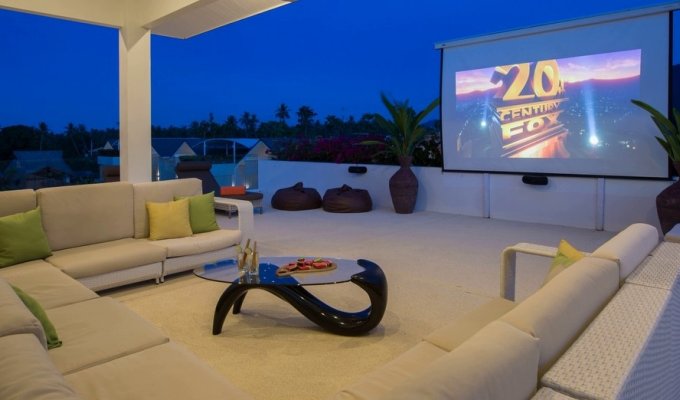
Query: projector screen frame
(667, 9)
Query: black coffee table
(363, 273)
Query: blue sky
(334, 56)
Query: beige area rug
(438, 267)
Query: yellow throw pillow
(566, 255)
(169, 220)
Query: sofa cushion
(47, 284)
(379, 382)
(16, 201)
(166, 371)
(566, 256)
(169, 220)
(97, 331)
(16, 318)
(85, 214)
(36, 309)
(559, 311)
(199, 243)
(101, 258)
(499, 362)
(629, 247)
(456, 332)
(159, 192)
(22, 238)
(202, 213)
(27, 372)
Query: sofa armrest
(246, 220)
(509, 264)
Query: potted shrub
(668, 201)
(405, 133)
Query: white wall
(611, 204)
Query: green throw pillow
(22, 238)
(566, 255)
(202, 212)
(37, 310)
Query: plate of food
(305, 265)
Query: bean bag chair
(296, 198)
(347, 200)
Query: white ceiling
(193, 20)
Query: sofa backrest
(629, 247)
(28, 373)
(499, 362)
(560, 310)
(16, 201)
(86, 214)
(161, 191)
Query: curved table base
(372, 281)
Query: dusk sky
(334, 56)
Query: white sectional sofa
(607, 327)
(99, 233)
(99, 239)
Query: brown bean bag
(296, 198)
(347, 200)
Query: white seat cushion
(97, 331)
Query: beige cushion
(160, 191)
(454, 333)
(101, 258)
(377, 383)
(200, 242)
(86, 214)
(16, 201)
(97, 331)
(26, 372)
(167, 371)
(558, 312)
(629, 247)
(498, 363)
(46, 284)
(15, 318)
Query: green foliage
(668, 127)
(404, 126)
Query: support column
(134, 49)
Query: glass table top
(227, 271)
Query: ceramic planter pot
(404, 187)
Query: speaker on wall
(355, 169)
(535, 180)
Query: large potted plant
(405, 133)
(668, 201)
(669, 130)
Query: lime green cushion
(22, 238)
(37, 310)
(202, 212)
(169, 220)
(566, 255)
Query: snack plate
(306, 265)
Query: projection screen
(556, 99)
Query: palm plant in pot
(668, 201)
(405, 133)
(670, 130)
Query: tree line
(81, 145)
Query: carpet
(438, 267)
